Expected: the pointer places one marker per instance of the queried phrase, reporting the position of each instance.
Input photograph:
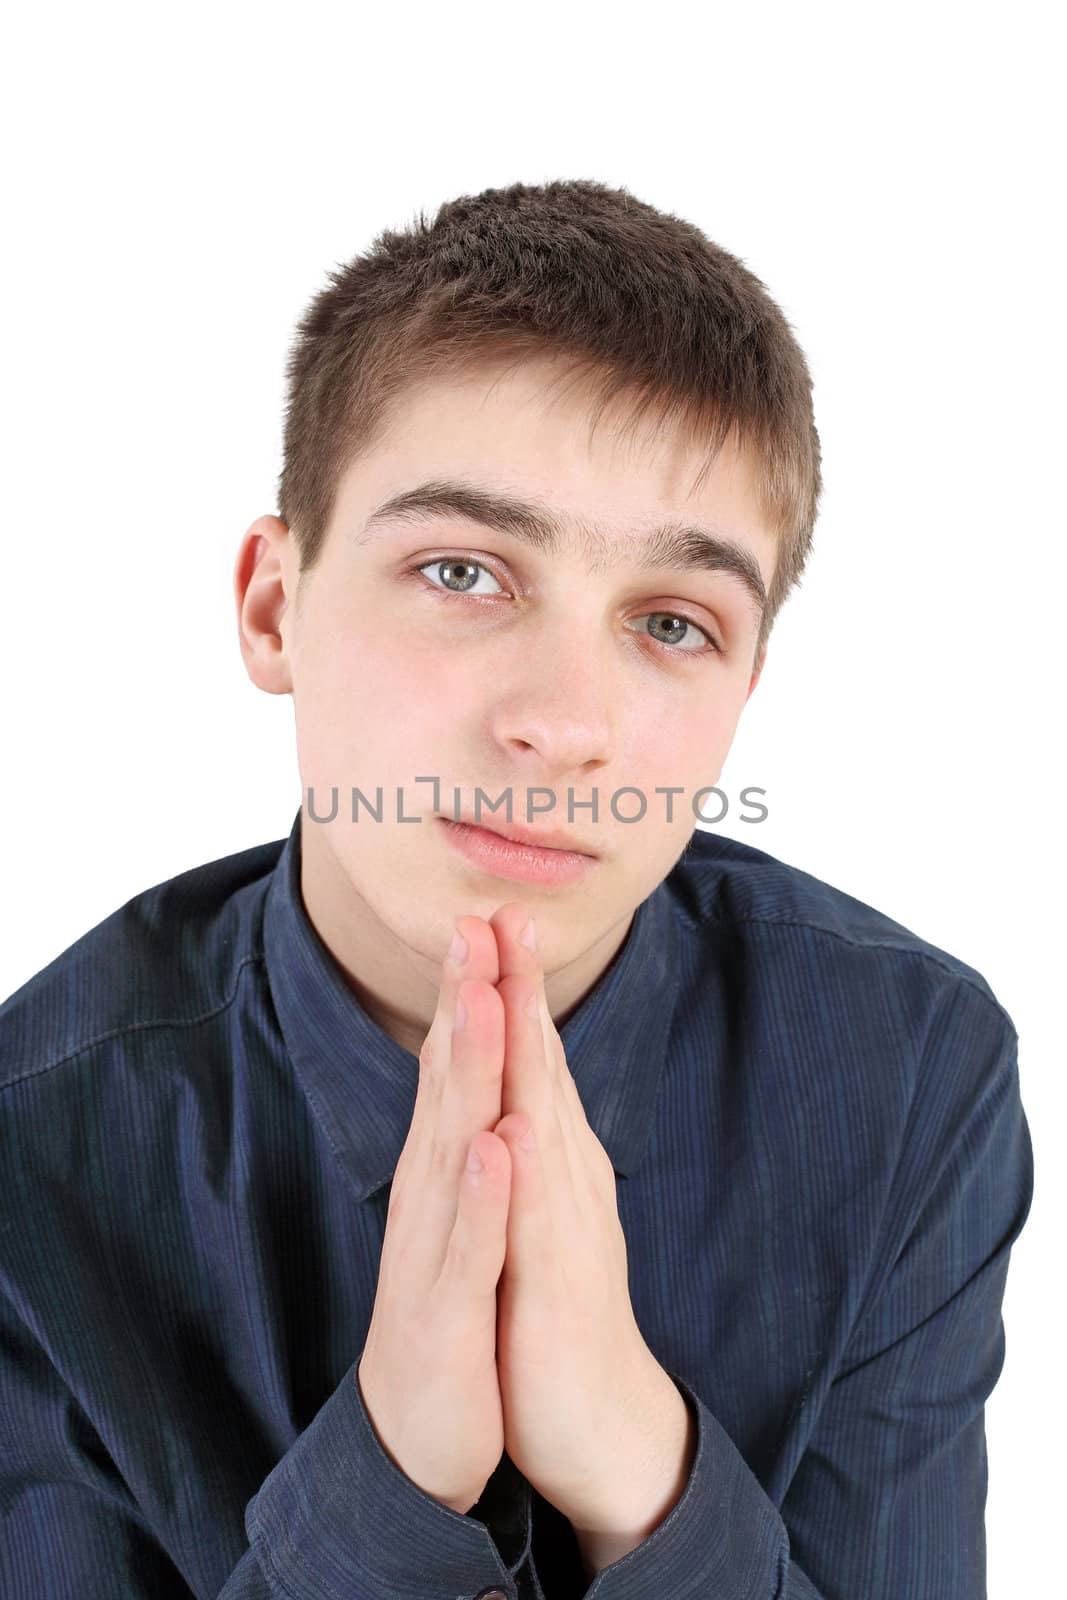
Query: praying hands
(503, 1316)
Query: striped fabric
(822, 1164)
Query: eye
(674, 623)
(459, 574)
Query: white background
(178, 184)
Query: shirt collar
(361, 1083)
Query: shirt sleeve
(334, 1517)
(337, 1516)
(889, 1496)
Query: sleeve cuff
(723, 1537)
(337, 1516)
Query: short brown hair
(643, 301)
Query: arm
(103, 1489)
(334, 1517)
(889, 1496)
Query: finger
(477, 959)
(470, 1097)
(477, 1245)
(528, 1089)
(469, 1106)
(517, 950)
(422, 1205)
(534, 1230)
(471, 955)
(520, 956)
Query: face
(438, 646)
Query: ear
(756, 674)
(264, 560)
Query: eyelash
(714, 648)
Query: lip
(505, 857)
(539, 838)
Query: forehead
(522, 431)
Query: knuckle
(458, 1255)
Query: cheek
(681, 747)
(375, 708)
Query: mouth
(504, 855)
(536, 838)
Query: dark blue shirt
(822, 1163)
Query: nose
(555, 714)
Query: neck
(395, 971)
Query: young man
(727, 1329)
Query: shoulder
(801, 927)
(172, 954)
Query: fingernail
(474, 1160)
(528, 936)
(528, 1142)
(458, 949)
(533, 1006)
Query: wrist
(651, 1479)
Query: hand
(587, 1408)
(428, 1372)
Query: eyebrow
(682, 547)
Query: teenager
(288, 1307)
